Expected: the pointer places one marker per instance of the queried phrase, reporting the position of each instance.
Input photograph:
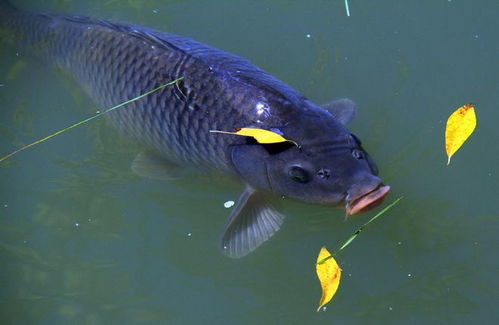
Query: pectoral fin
(151, 164)
(343, 109)
(252, 222)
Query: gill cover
(249, 160)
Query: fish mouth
(368, 200)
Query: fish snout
(367, 196)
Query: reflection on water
(84, 240)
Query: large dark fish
(116, 61)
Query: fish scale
(115, 62)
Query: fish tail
(25, 30)
(7, 9)
(9, 15)
(6, 5)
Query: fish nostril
(324, 173)
(357, 154)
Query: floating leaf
(329, 274)
(328, 270)
(460, 126)
(260, 135)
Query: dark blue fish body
(115, 62)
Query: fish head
(328, 166)
(345, 176)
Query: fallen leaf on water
(329, 274)
(260, 135)
(460, 126)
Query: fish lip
(367, 200)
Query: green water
(85, 241)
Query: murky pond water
(83, 240)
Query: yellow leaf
(260, 135)
(329, 274)
(460, 126)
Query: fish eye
(298, 174)
(357, 154)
